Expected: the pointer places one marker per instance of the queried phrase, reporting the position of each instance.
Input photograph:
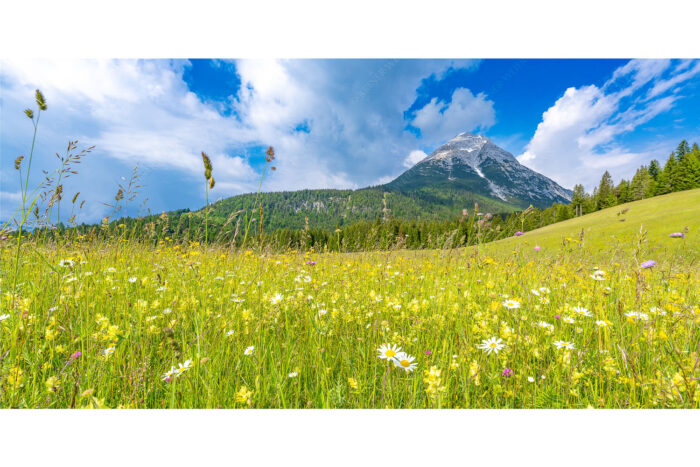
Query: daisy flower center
(493, 345)
(405, 363)
(389, 353)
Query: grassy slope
(659, 216)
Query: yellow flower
(52, 384)
(244, 396)
(434, 382)
(15, 377)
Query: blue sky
(334, 123)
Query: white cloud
(142, 112)
(414, 157)
(439, 122)
(134, 112)
(578, 136)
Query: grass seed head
(40, 100)
(207, 165)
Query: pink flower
(427, 352)
(311, 263)
(648, 264)
(557, 317)
(518, 233)
(507, 372)
(537, 248)
(677, 235)
(73, 357)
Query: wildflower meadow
(543, 319)
(111, 323)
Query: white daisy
(276, 299)
(132, 279)
(530, 379)
(64, 263)
(4, 317)
(637, 315)
(546, 325)
(492, 344)
(564, 345)
(582, 311)
(322, 312)
(293, 374)
(109, 351)
(405, 361)
(568, 320)
(511, 304)
(249, 350)
(183, 367)
(230, 333)
(169, 374)
(388, 351)
(598, 275)
(601, 323)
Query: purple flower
(648, 264)
(5, 238)
(311, 263)
(557, 317)
(73, 357)
(537, 248)
(507, 372)
(677, 235)
(518, 233)
(428, 352)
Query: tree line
(243, 229)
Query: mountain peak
(474, 163)
(467, 148)
(467, 136)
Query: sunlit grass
(123, 324)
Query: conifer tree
(578, 197)
(622, 192)
(606, 192)
(654, 169)
(664, 183)
(641, 184)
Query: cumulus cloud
(439, 121)
(414, 157)
(142, 112)
(578, 136)
(135, 112)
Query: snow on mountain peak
(504, 176)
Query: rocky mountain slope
(475, 164)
